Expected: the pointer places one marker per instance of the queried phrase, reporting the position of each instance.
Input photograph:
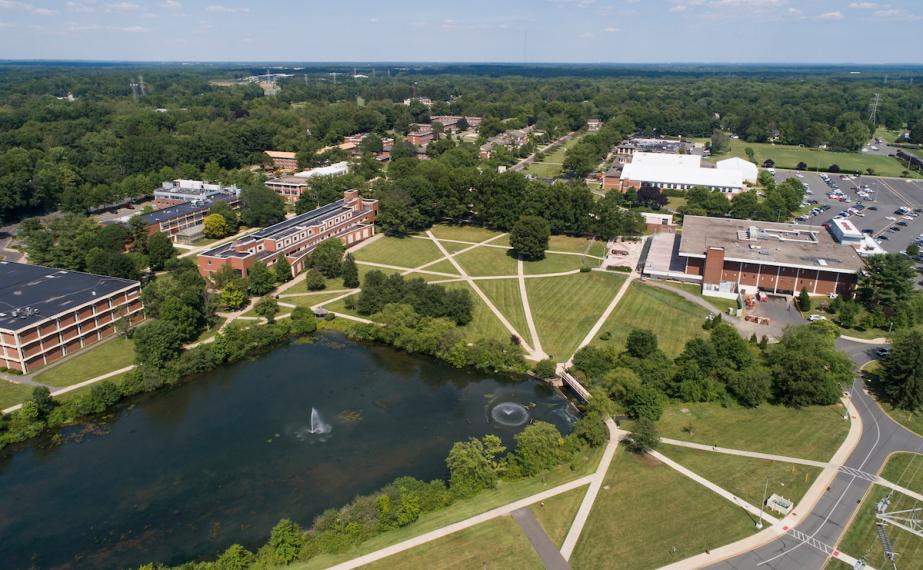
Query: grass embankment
(861, 538)
(673, 319)
(557, 514)
(565, 308)
(786, 156)
(719, 303)
(744, 476)
(498, 543)
(648, 515)
(809, 433)
(506, 492)
(504, 294)
(90, 363)
(484, 323)
(12, 394)
(910, 420)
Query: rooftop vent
(822, 262)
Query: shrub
(545, 368)
(314, 280)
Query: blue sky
(619, 31)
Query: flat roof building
(47, 314)
(174, 219)
(671, 172)
(748, 171)
(349, 219)
(283, 160)
(175, 192)
(728, 256)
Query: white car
(891, 218)
(813, 318)
(800, 175)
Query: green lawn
(647, 515)
(789, 157)
(551, 164)
(89, 363)
(558, 512)
(719, 303)
(308, 300)
(504, 294)
(673, 319)
(558, 263)
(12, 394)
(463, 233)
(910, 420)
(675, 202)
(483, 261)
(211, 331)
(598, 248)
(565, 308)
(364, 270)
(506, 492)
(569, 243)
(484, 323)
(861, 538)
(810, 433)
(497, 543)
(402, 252)
(744, 476)
(886, 135)
(444, 266)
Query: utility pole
(873, 109)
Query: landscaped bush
(427, 300)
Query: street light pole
(759, 521)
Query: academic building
(350, 219)
(47, 314)
(729, 256)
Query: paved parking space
(888, 194)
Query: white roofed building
(336, 169)
(746, 168)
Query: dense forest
(105, 144)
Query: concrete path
(596, 482)
(536, 342)
(461, 525)
(875, 341)
(543, 546)
(742, 453)
(713, 487)
(531, 354)
(72, 387)
(507, 247)
(405, 270)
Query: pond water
(183, 474)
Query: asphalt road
(828, 521)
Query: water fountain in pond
(317, 430)
(509, 414)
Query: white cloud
(121, 7)
(26, 7)
(221, 9)
(98, 28)
(81, 7)
(611, 29)
(835, 15)
(678, 8)
(373, 20)
(795, 13)
(863, 5)
(172, 4)
(585, 35)
(578, 3)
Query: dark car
(873, 208)
(902, 223)
(868, 231)
(883, 237)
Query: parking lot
(886, 195)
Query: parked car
(883, 351)
(816, 317)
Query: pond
(185, 473)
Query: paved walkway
(72, 387)
(604, 317)
(596, 482)
(536, 342)
(543, 546)
(742, 453)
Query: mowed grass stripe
(504, 294)
(673, 319)
(647, 515)
(484, 323)
(463, 233)
(402, 252)
(483, 261)
(558, 263)
(565, 308)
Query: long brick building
(350, 219)
(729, 256)
(47, 314)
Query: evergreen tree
(804, 300)
(282, 269)
(349, 272)
(314, 280)
(261, 280)
(902, 371)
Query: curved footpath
(813, 542)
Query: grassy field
(744, 476)
(648, 515)
(551, 164)
(504, 294)
(403, 252)
(565, 308)
(463, 233)
(675, 202)
(789, 157)
(598, 249)
(444, 266)
(211, 331)
(106, 357)
(569, 243)
(306, 300)
(558, 263)
(809, 433)
(485, 261)
(886, 135)
(506, 492)
(673, 319)
(557, 513)
(497, 543)
(12, 394)
(910, 420)
(861, 538)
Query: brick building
(47, 314)
(176, 192)
(729, 256)
(350, 219)
(283, 160)
(185, 218)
